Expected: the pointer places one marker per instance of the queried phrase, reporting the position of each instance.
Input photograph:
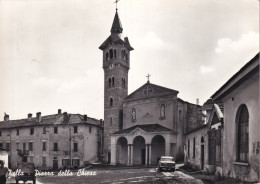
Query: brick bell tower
(116, 62)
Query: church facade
(148, 123)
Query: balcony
(23, 153)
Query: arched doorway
(158, 148)
(121, 151)
(139, 150)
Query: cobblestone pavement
(120, 176)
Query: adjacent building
(55, 141)
(232, 128)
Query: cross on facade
(116, 3)
(148, 90)
(148, 76)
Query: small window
(75, 129)
(31, 131)
(89, 129)
(114, 53)
(1, 145)
(0, 133)
(109, 82)
(55, 146)
(17, 132)
(30, 146)
(44, 146)
(113, 81)
(8, 146)
(111, 102)
(123, 82)
(55, 130)
(111, 53)
(44, 130)
(111, 121)
(75, 148)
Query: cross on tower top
(148, 76)
(116, 3)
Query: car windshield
(166, 159)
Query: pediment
(138, 131)
(149, 90)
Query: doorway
(202, 157)
(55, 164)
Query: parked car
(28, 170)
(166, 163)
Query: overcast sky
(49, 56)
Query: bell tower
(116, 63)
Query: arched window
(111, 102)
(133, 114)
(111, 53)
(242, 134)
(109, 83)
(114, 53)
(123, 82)
(107, 56)
(113, 81)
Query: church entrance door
(158, 149)
(138, 153)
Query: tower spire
(116, 26)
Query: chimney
(39, 117)
(85, 117)
(197, 101)
(59, 111)
(29, 116)
(6, 117)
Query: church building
(148, 123)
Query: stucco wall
(87, 144)
(196, 161)
(148, 112)
(247, 93)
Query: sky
(49, 56)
